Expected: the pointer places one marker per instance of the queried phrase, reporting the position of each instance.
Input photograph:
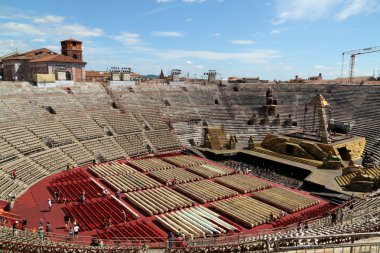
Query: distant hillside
(151, 76)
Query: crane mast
(353, 54)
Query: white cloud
(357, 7)
(7, 46)
(79, 30)
(189, 62)
(167, 34)
(199, 67)
(279, 30)
(303, 9)
(214, 35)
(14, 28)
(313, 10)
(38, 40)
(10, 13)
(163, 1)
(321, 67)
(257, 56)
(243, 42)
(49, 19)
(128, 38)
(188, 20)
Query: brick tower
(72, 48)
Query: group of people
(73, 229)
(172, 181)
(58, 198)
(263, 170)
(41, 232)
(96, 242)
(179, 240)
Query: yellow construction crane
(353, 54)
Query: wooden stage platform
(319, 177)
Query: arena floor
(33, 206)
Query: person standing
(66, 218)
(41, 232)
(24, 224)
(271, 217)
(48, 228)
(14, 174)
(14, 228)
(49, 204)
(76, 231)
(306, 226)
(82, 197)
(124, 216)
(333, 218)
(56, 196)
(341, 217)
(171, 238)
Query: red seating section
(93, 213)
(303, 215)
(72, 175)
(73, 189)
(137, 229)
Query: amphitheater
(131, 166)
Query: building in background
(25, 66)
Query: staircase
(287, 157)
(217, 137)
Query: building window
(74, 44)
(75, 56)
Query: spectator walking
(14, 174)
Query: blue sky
(272, 39)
